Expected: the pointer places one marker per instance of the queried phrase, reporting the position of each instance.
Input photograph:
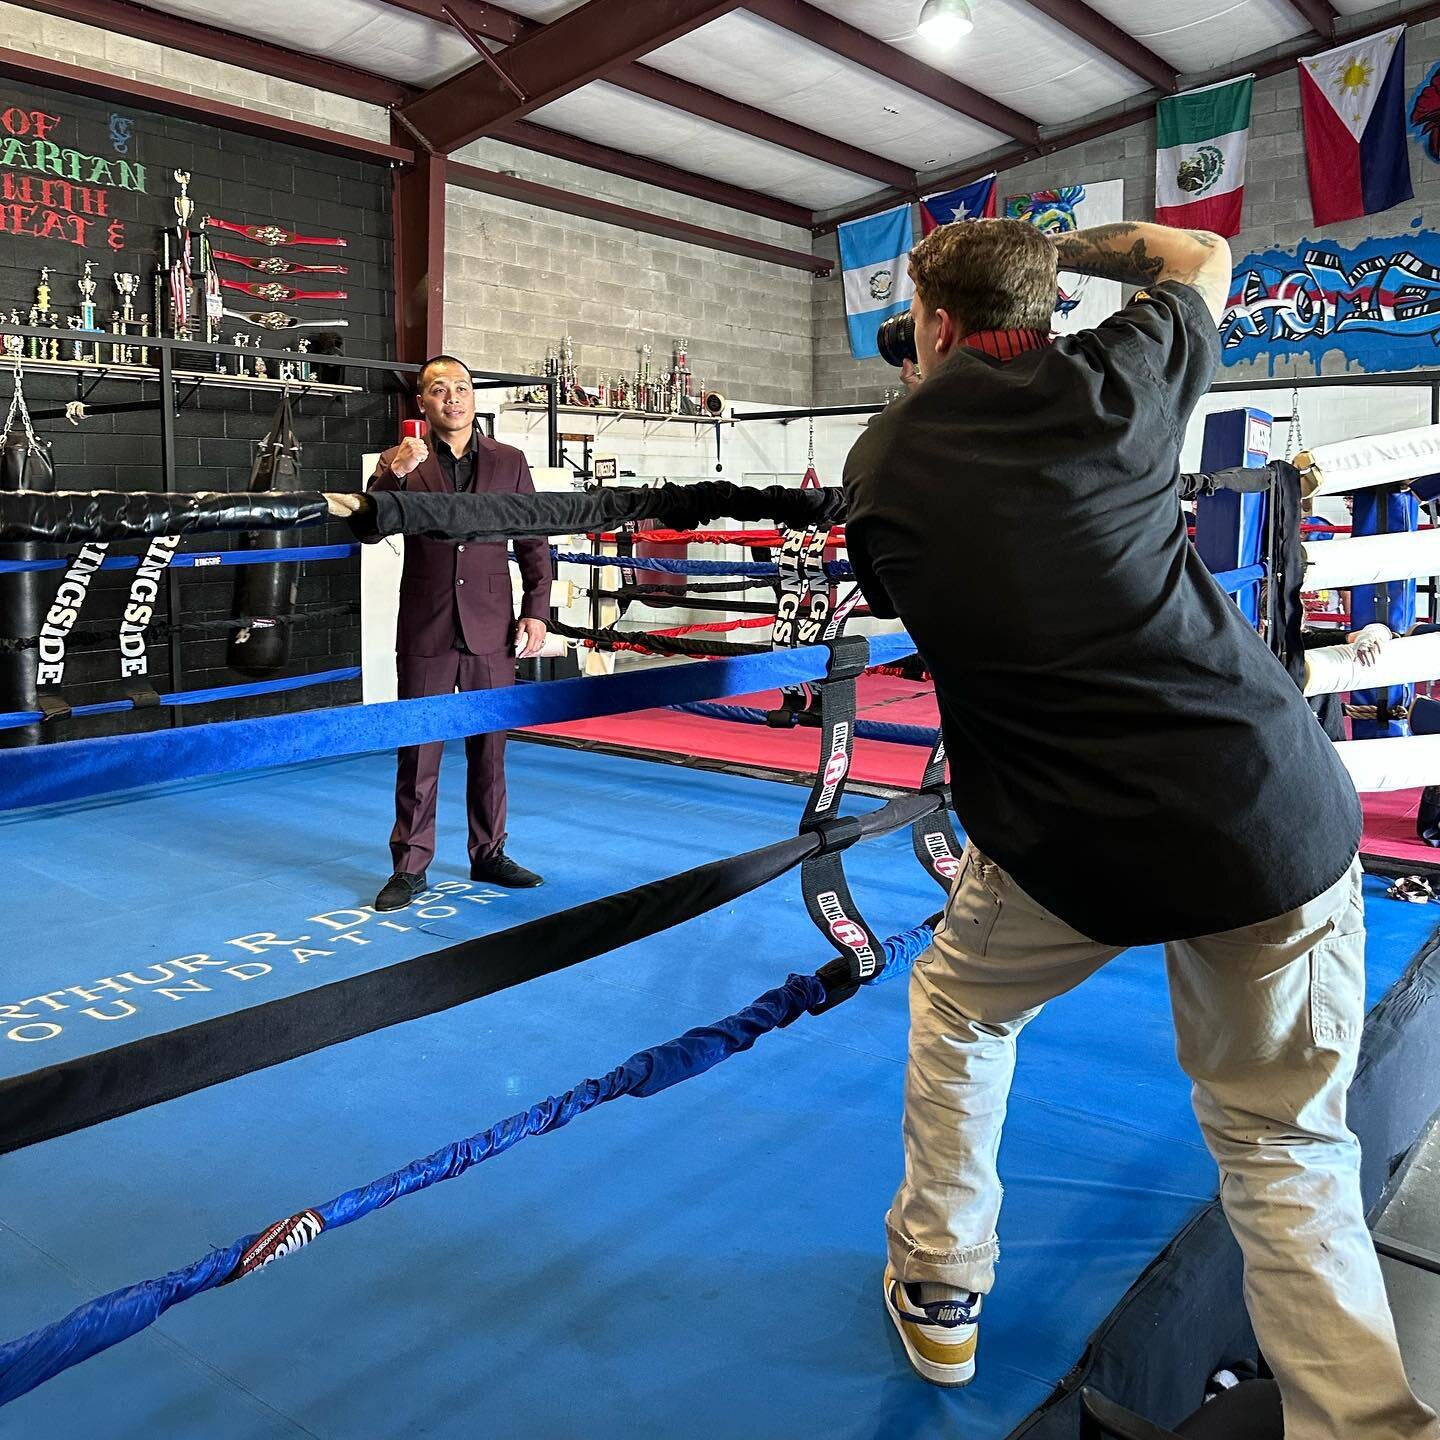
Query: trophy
(241, 341)
(184, 205)
(40, 316)
(86, 287)
(127, 286)
(14, 344)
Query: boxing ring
(224, 1034)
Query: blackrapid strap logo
(283, 1238)
(836, 766)
(947, 863)
(848, 934)
(65, 611)
(140, 607)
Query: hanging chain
(810, 452)
(1295, 436)
(18, 407)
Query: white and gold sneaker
(939, 1337)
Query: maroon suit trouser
(417, 778)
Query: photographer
(1131, 767)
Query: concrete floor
(1413, 1215)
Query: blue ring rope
(33, 1359)
(199, 560)
(78, 769)
(12, 719)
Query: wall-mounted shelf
(609, 417)
(114, 370)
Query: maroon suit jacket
(441, 577)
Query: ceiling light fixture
(945, 22)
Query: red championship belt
(279, 265)
(274, 290)
(272, 234)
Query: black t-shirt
(1120, 739)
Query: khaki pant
(1268, 1021)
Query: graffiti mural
(1425, 114)
(1377, 304)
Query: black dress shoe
(399, 890)
(500, 869)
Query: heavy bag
(266, 593)
(24, 465)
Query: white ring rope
(1336, 669)
(1371, 460)
(1405, 762)
(1371, 559)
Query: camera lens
(896, 340)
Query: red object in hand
(412, 429)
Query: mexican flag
(1200, 140)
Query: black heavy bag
(266, 593)
(24, 465)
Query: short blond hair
(987, 274)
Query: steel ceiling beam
(1109, 39)
(494, 23)
(80, 80)
(696, 100)
(651, 172)
(176, 33)
(586, 44)
(823, 29)
(570, 202)
(1321, 16)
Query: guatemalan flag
(1353, 101)
(875, 261)
(969, 202)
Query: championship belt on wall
(279, 320)
(274, 290)
(272, 235)
(278, 264)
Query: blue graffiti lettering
(1379, 304)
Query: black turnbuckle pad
(142, 697)
(835, 834)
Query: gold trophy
(128, 286)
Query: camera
(896, 340)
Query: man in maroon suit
(457, 629)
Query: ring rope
(99, 1324)
(14, 719)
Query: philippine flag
(970, 202)
(875, 261)
(1353, 102)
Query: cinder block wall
(519, 277)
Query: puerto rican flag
(970, 202)
(1353, 102)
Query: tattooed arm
(1138, 253)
